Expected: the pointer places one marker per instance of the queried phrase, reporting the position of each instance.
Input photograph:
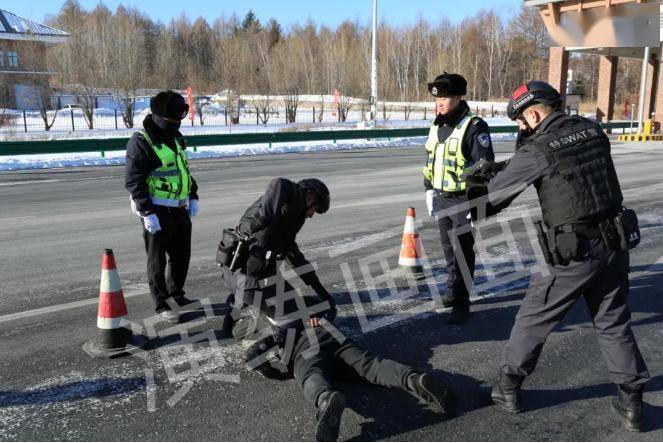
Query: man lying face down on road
(298, 334)
(266, 308)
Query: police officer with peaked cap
(567, 158)
(165, 196)
(457, 139)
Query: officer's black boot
(628, 405)
(228, 320)
(442, 303)
(459, 315)
(330, 409)
(506, 392)
(433, 392)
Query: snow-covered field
(41, 161)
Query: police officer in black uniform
(165, 196)
(567, 158)
(457, 139)
(268, 231)
(319, 355)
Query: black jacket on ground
(476, 143)
(272, 222)
(141, 160)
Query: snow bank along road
(55, 224)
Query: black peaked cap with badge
(447, 85)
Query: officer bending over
(585, 237)
(266, 235)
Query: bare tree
(345, 104)
(291, 103)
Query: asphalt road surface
(55, 224)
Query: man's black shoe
(628, 405)
(433, 392)
(330, 410)
(506, 392)
(459, 315)
(183, 301)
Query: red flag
(192, 105)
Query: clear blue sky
(329, 12)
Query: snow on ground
(45, 161)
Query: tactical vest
(583, 185)
(446, 161)
(169, 185)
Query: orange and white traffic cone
(113, 337)
(410, 256)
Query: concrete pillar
(605, 100)
(659, 95)
(558, 65)
(651, 88)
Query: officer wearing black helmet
(266, 233)
(457, 139)
(584, 235)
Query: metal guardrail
(195, 141)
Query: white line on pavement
(140, 290)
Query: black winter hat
(169, 104)
(446, 85)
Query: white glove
(193, 207)
(151, 223)
(134, 209)
(432, 202)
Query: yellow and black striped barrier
(640, 137)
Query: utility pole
(643, 87)
(374, 66)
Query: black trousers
(602, 279)
(316, 371)
(457, 291)
(171, 243)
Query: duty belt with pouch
(560, 244)
(628, 229)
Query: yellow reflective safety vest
(446, 162)
(169, 185)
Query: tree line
(125, 51)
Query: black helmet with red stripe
(529, 93)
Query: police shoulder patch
(484, 140)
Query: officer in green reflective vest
(165, 196)
(457, 139)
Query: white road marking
(140, 290)
(53, 180)
(18, 218)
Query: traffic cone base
(113, 339)
(117, 344)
